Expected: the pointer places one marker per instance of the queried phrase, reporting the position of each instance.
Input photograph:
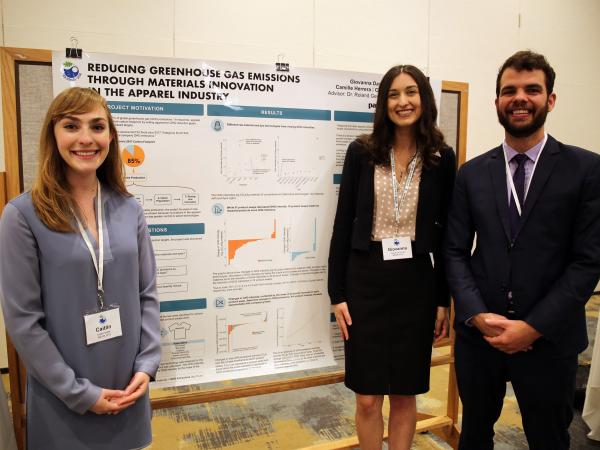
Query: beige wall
(463, 40)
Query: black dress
(392, 303)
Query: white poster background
(237, 168)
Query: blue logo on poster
(396, 242)
(217, 125)
(70, 71)
(218, 209)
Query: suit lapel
(426, 180)
(425, 192)
(497, 167)
(544, 168)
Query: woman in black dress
(386, 274)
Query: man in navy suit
(533, 204)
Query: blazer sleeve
(341, 238)
(148, 358)
(458, 244)
(21, 297)
(448, 168)
(573, 289)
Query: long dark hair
(429, 138)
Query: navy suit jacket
(553, 264)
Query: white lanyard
(509, 178)
(98, 265)
(398, 203)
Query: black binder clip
(73, 52)
(280, 65)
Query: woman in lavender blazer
(84, 390)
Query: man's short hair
(528, 60)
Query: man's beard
(520, 131)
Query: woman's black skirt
(392, 305)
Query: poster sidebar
(161, 153)
(171, 192)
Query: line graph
(242, 332)
(299, 325)
(287, 159)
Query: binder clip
(281, 65)
(73, 52)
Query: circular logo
(218, 209)
(217, 125)
(70, 71)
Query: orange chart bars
(234, 245)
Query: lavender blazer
(47, 282)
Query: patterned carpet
(301, 418)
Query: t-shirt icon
(179, 330)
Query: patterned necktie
(519, 181)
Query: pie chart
(133, 155)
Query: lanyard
(509, 178)
(398, 203)
(98, 265)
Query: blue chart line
(295, 254)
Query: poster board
(19, 147)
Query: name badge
(102, 325)
(396, 248)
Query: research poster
(237, 167)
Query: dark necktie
(519, 181)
